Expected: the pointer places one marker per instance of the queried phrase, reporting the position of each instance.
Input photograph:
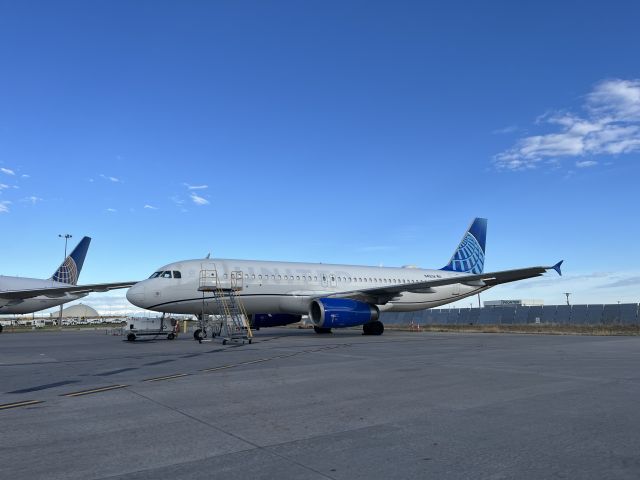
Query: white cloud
(24, 175)
(3, 186)
(4, 206)
(111, 210)
(196, 187)
(7, 171)
(610, 126)
(586, 163)
(111, 179)
(505, 130)
(32, 199)
(199, 200)
(150, 207)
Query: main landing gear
(321, 330)
(373, 328)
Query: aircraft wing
(382, 295)
(61, 291)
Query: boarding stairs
(232, 324)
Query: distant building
(513, 303)
(79, 311)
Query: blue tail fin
(69, 271)
(469, 256)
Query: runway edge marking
(93, 390)
(25, 403)
(166, 377)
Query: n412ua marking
(334, 296)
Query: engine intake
(341, 312)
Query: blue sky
(352, 132)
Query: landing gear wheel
(249, 341)
(171, 336)
(373, 328)
(224, 342)
(320, 330)
(131, 337)
(0, 328)
(197, 335)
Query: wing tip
(556, 267)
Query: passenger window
(315, 278)
(297, 277)
(259, 277)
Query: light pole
(567, 294)
(66, 237)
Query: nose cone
(136, 295)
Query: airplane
(19, 295)
(333, 296)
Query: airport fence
(597, 314)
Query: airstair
(232, 324)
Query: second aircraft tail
(69, 271)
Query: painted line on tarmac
(93, 390)
(26, 403)
(223, 367)
(166, 377)
(261, 360)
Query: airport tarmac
(299, 405)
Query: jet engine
(327, 313)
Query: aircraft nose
(136, 295)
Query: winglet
(556, 267)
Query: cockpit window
(166, 274)
(177, 274)
(155, 275)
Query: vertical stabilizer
(469, 256)
(69, 271)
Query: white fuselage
(10, 306)
(286, 287)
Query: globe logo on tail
(469, 257)
(68, 272)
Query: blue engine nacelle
(341, 312)
(262, 320)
